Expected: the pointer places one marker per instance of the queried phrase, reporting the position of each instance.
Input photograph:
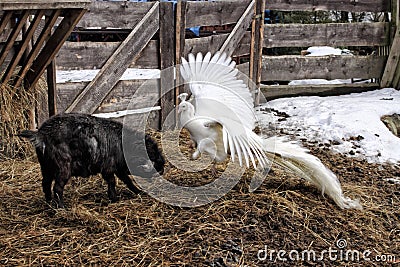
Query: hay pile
(285, 213)
(17, 107)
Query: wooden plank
(332, 34)
(339, 5)
(111, 72)
(167, 61)
(51, 89)
(5, 19)
(257, 34)
(214, 42)
(42, 4)
(23, 47)
(392, 63)
(11, 39)
(124, 94)
(238, 31)
(52, 46)
(274, 92)
(286, 68)
(180, 26)
(93, 55)
(36, 48)
(123, 14)
(214, 13)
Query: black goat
(82, 145)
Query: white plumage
(222, 120)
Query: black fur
(82, 145)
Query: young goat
(82, 145)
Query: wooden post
(391, 75)
(51, 89)
(180, 26)
(167, 60)
(257, 39)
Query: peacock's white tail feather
(292, 156)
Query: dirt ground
(282, 223)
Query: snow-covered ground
(351, 122)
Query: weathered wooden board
(93, 55)
(393, 64)
(42, 4)
(340, 5)
(273, 92)
(287, 68)
(167, 60)
(122, 14)
(333, 34)
(135, 94)
(214, 13)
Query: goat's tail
(34, 138)
(292, 156)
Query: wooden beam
(287, 68)
(214, 13)
(180, 26)
(44, 35)
(11, 39)
(52, 46)
(121, 14)
(42, 4)
(331, 34)
(5, 19)
(280, 91)
(92, 96)
(392, 63)
(239, 30)
(51, 89)
(339, 5)
(23, 46)
(167, 61)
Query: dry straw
(285, 213)
(17, 105)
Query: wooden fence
(156, 39)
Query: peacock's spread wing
(222, 97)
